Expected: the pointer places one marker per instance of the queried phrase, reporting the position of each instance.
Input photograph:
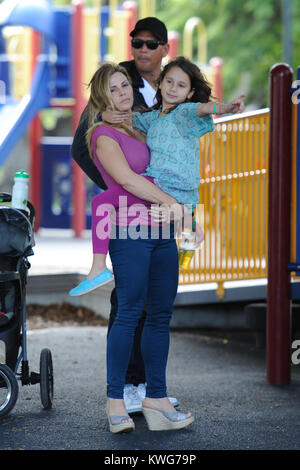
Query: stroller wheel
(9, 390)
(46, 378)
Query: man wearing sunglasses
(149, 47)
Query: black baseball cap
(157, 27)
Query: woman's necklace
(129, 126)
(133, 131)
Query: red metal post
(173, 40)
(78, 177)
(132, 8)
(278, 291)
(35, 135)
(216, 64)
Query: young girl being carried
(182, 115)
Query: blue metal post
(295, 266)
(104, 19)
(298, 180)
(4, 68)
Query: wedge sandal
(161, 421)
(116, 425)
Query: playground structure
(246, 226)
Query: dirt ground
(41, 316)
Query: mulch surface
(47, 316)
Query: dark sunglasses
(151, 44)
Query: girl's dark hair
(200, 85)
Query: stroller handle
(6, 197)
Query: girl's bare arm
(235, 106)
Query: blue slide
(15, 116)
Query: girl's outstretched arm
(235, 106)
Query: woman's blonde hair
(100, 98)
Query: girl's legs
(102, 205)
(98, 265)
(101, 222)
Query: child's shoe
(87, 285)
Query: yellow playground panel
(233, 201)
(147, 8)
(18, 46)
(91, 41)
(234, 195)
(118, 33)
(195, 24)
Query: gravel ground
(222, 380)
(53, 315)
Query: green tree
(247, 35)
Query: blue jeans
(146, 272)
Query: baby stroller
(16, 242)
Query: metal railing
(233, 200)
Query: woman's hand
(115, 117)
(199, 236)
(165, 213)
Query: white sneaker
(141, 388)
(132, 399)
(174, 401)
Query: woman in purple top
(183, 114)
(145, 268)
